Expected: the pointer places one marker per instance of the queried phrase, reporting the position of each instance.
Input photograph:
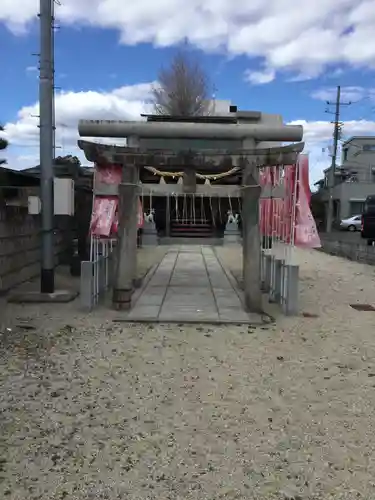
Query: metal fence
(96, 274)
(280, 278)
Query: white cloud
(124, 103)
(128, 103)
(260, 77)
(31, 69)
(299, 39)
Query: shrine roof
(192, 119)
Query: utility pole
(46, 143)
(336, 137)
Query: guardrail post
(86, 285)
(291, 288)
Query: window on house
(356, 207)
(344, 154)
(369, 147)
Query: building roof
(319, 182)
(9, 177)
(192, 119)
(68, 166)
(230, 117)
(358, 137)
(329, 168)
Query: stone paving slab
(190, 286)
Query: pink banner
(104, 218)
(108, 174)
(303, 165)
(289, 218)
(140, 214)
(103, 215)
(268, 207)
(288, 203)
(306, 233)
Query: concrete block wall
(20, 246)
(359, 252)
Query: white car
(352, 223)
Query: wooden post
(127, 243)
(251, 238)
(189, 181)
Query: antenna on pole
(336, 137)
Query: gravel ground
(91, 409)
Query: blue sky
(266, 56)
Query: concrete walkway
(190, 285)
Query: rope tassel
(177, 213)
(193, 203)
(202, 209)
(184, 211)
(230, 204)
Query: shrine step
(183, 240)
(198, 229)
(191, 234)
(188, 229)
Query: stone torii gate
(137, 155)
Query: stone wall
(20, 245)
(359, 252)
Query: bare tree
(3, 145)
(183, 88)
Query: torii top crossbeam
(118, 128)
(201, 158)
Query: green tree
(183, 88)
(3, 145)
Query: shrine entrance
(190, 209)
(192, 217)
(188, 192)
(185, 216)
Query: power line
(337, 132)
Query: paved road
(190, 285)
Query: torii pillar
(251, 248)
(126, 268)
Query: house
(67, 166)
(354, 180)
(16, 187)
